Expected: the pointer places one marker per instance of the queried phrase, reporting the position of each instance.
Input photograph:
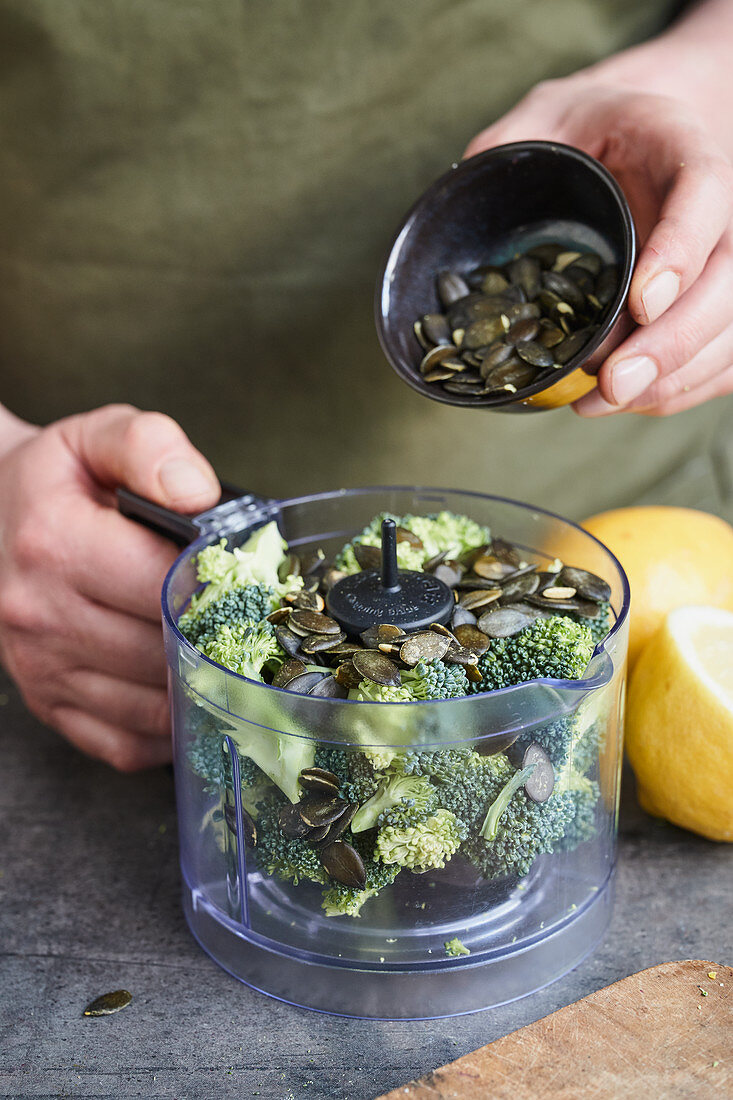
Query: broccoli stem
(490, 826)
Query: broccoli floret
(490, 826)
(422, 846)
(207, 760)
(447, 532)
(471, 785)
(369, 692)
(556, 739)
(584, 793)
(427, 680)
(357, 778)
(347, 901)
(255, 563)
(245, 648)
(455, 948)
(556, 647)
(290, 860)
(525, 830)
(251, 602)
(381, 759)
(586, 744)
(435, 680)
(443, 532)
(392, 790)
(441, 765)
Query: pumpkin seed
(435, 328)
(472, 637)
(108, 1003)
(427, 646)
(328, 687)
(291, 823)
(288, 671)
(588, 585)
(504, 622)
(343, 863)
(451, 287)
(303, 685)
(319, 780)
(318, 643)
(541, 783)
(320, 809)
(471, 600)
(376, 667)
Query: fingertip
(654, 296)
(188, 484)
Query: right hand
(80, 585)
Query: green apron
(194, 199)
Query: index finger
(118, 563)
(693, 218)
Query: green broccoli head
(347, 901)
(557, 648)
(394, 789)
(357, 778)
(584, 794)
(556, 739)
(442, 532)
(468, 784)
(245, 647)
(435, 680)
(257, 562)
(423, 845)
(290, 860)
(251, 602)
(427, 680)
(517, 830)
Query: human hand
(679, 184)
(80, 584)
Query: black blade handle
(172, 525)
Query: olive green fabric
(194, 200)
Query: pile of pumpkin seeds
(505, 328)
(497, 594)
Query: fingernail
(594, 405)
(630, 377)
(183, 480)
(658, 295)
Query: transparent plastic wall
(390, 961)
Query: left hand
(679, 184)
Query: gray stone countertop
(89, 902)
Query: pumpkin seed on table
(108, 1003)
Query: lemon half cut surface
(680, 721)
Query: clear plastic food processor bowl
(391, 961)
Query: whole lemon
(672, 557)
(679, 721)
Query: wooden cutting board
(665, 1033)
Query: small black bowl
(485, 210)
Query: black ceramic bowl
(484, 210)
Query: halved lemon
(679, 718)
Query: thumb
(147, 452)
